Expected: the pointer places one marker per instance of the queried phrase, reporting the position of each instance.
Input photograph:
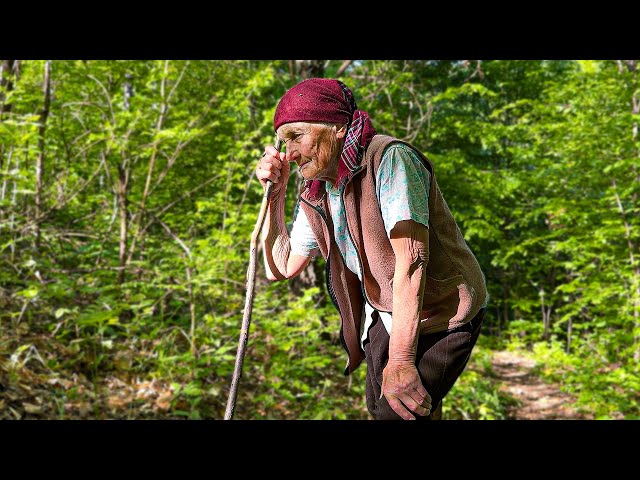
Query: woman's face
(315, 147)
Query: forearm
(408, 290)
(275, 240)
(407, 300)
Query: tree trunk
(136, 233)
(122, 209)
(6, 85)
(505, 306)
(123, 184)
(547, 323)
(7, 71)
(46, 88)
(12, 245)
(310, 69)
(546, 315)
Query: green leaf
(60, 312)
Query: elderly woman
(409, 291)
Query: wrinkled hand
(403, 389)
(273, 166)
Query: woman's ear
(342, 131)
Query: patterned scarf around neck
(359, 134)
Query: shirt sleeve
(402, 187)
(301, 238)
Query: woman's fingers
(270, 166)
(399, 408)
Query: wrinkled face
(315, 147)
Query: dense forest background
(128, 197)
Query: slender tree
(42, 129)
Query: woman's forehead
(290, 127)
(297, 127)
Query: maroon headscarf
(327, 100)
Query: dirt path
(537, 400)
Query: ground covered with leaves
(42, 378)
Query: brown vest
(455, 287)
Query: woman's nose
(293, 156)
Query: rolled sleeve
(402, 187)
(301, 238)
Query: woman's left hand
(404, 391)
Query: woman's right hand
(273, 166)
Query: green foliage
(476, 395)
(538, 161)
(607, 389)
(299, 362)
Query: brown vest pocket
(437, 290)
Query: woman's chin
(306, 172)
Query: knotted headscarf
(327, 100)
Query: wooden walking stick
(248, 304)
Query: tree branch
(343, 67)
